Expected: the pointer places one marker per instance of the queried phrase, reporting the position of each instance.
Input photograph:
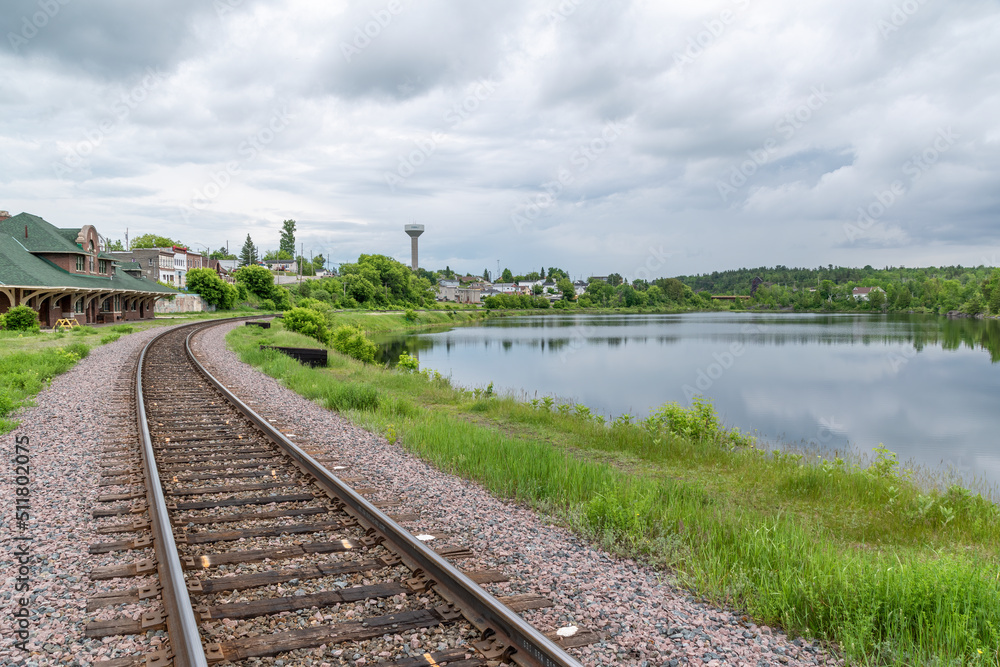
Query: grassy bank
(893, 573)
(29, 360)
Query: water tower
(414, 231)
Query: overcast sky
(646, 137)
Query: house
(467, 295)
(61, 273)
(861, 293)
(154, 263)
(579, 287)
(448, 290)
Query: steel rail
(531, 647)
(182, 626)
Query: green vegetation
(20, 318)
(970, 290)
(895, 573)
(24, 374)
(213, 289)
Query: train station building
(62, 273)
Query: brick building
(62, 273)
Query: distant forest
(971, 290)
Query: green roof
(42, 236)
(19, 267)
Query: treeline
(373, 282)
(971, 290)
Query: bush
(242, 293)
(123, 328)
(407, 363)
(258, 280)
(213, 289)
(410, 315)
(21, 318)
(110, 338)
(281, 297)
(352, 342)
(307, 322)
(267, 304)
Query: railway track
(249, 550)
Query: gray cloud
(460, 115)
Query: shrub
(407, 363)
(110, 338)
(213, 289)
(281, 297)
(123, 328)
(352, 342)
(258, 280)
(267, 304)
(307, 322)
(21, 318)
(410, 316)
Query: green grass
(23, 374)
(894, 573)
(28, 361)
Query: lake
(925, 387)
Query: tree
(877, 299)
(222, 253)
(248, 255)
(115, 246)
(318, 262)
(566, 287)
(272, 255)
(154, 241)
(207, 284)
(486, 275)
(506, 276)
(615, 279)
(258, 280)
(287, 243)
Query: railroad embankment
(863, 555)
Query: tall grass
(893, 573)
(24, 374)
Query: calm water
(926, 387)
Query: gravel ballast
(645, 620)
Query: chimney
(4, 215)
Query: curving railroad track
(261, 555)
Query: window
(103, 264)
(91, 264)
(80, 263)
(150, 261)
(78, 306)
